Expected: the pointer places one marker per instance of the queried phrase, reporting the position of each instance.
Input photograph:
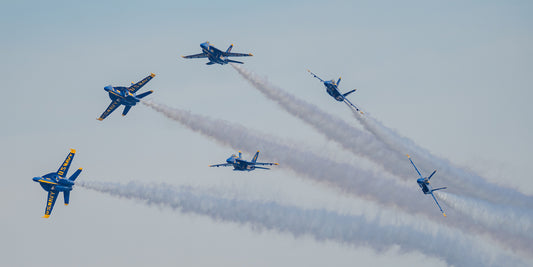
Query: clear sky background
(453, 76)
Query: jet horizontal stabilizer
(438, 189)
(234, 61)
(264, 168)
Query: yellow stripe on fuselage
(47, 182)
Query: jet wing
(134, 88)
(351, 105)
(202, 55)
(52, 196)
(221, 165)
(237, 54)
(63, 169)
(444, 214)
(114, 105)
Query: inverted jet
(332, 88)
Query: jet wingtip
(100, 119)
(444, 214)
(152, 75)
(408, 155)
(72, 150)
(46, 216)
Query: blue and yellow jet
(423, 182)
(55, 182)
(217, 56)
(332, 88)
(240, 164)
(125, 96)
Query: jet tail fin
(229, 48)
(429, 178)
(346, 94)
(75, 175)
(126, 110)
(254, 159)
(66, 195)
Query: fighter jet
(217, 56)
(332, 88)
(423, 182)
(125, 96)
(55, 182)
(242, 165)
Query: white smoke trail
(350, 138)
(452, 246)
(357, 182)
(494, 216)
(383, 146)
(387, 154)
(463, 182)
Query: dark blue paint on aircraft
(242, 165)
(55, 182)
(217, 56)
(125, 96)
(423, 182)
(332, 88)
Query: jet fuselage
(424, 185)
(52, 181)
(122, 93)
(213, 54)
(333, 90)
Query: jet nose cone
(36, 179)
(108, 88)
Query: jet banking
(55, 182)
(125, 96)
(217, 56)
(332, 88)
(240, 164)
(423, 182)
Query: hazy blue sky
(454, 76)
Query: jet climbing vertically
(55, 182)
(423, 182)
(332, 88)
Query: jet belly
(426, 188)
